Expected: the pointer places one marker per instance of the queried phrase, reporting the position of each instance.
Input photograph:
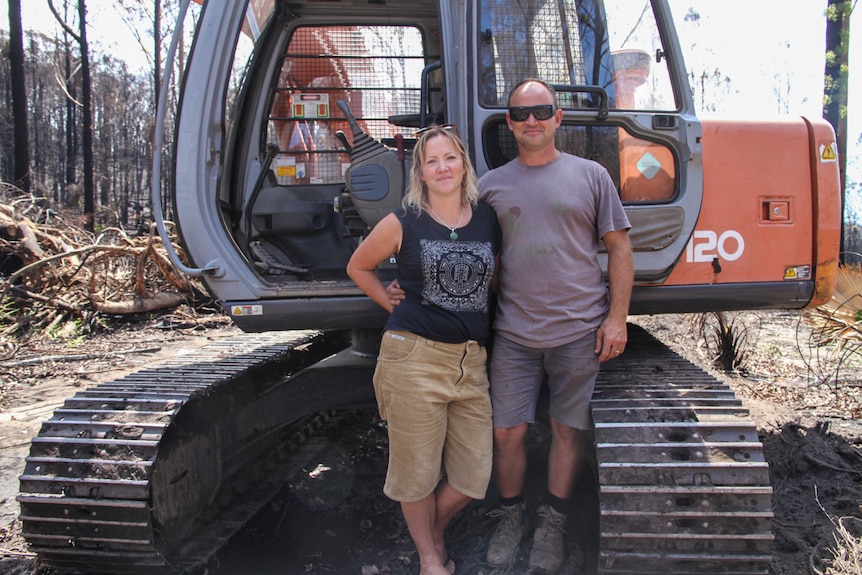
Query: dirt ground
(806, 405)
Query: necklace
(453, 234)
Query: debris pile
(53, 273)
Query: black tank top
(446, 282)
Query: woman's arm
(383, 241)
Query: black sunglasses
(541, 112)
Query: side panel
(770, 214)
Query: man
(555, 316)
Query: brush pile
(56, 277)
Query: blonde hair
(416, 191)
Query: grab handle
(159, 138)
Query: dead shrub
(725, 339)
(835, 339)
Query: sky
(761, 43)
(758, 44)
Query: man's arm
(611, 337)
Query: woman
(430, 381)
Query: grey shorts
(434, 398)
(517, 373)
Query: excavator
(293, 138)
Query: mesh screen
(549, 27)
(376, 70)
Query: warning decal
(797, 272)
(649, 166)
(828, 153)
(246, 310)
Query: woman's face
(443, 169)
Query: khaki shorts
(434, 398)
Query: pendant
(453, 235)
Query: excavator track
(684, 486)
(155, 471)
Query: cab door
(622, 86)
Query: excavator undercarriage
(156, 471)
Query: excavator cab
(296, 135)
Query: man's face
(533, 134)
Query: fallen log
(152, 302)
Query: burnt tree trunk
(836, 84)
(71, 123)
(87, 140)
(21, 142)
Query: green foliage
(10, 319)
(838, 10)
(71, 332)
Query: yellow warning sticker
(246, 310)
(828, 153)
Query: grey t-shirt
(551, 290)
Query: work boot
(549, 549)
(508, 534)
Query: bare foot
(447, 561)
(435, 569)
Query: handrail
(423, 91)
(595, 90)
(159, 138)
